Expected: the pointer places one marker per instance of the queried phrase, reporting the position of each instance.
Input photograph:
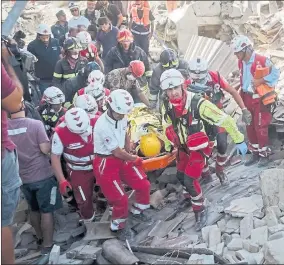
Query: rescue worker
(67, 67)
(131, 79)
(182, 115)
(77, 20)
(141, 25)
(257, 131)
(171, 5)
(168, 59)
(199, 75)
(114, 165)
(51, 109)
(95, 88)
(72, 85)
(90, 13)
(47, 51)
(89, 49)
(126, 51)
(111, 11)
(73, 139)
(60, 29)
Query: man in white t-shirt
(113, 163)
(77, 20)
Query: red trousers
(82, 182)
(257, 131)
(110, 172)
(189, 169)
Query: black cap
(60, 13)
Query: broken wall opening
(209, 31)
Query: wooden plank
(28, 257)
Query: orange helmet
(124, 36)
(137, 68)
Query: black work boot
(252, 160)
(263, 161)
(200, 219)
(222, 176)
(125, 233)
(141, 217)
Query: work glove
(242, 148)
(63, 185)
(138, 161)
(247, 118)
(153, 104)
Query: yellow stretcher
(144, 121)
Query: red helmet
(137, 68)
(124, 36)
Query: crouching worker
(114, 165)
(182, 114)
(73, 139)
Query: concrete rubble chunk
(273, 251)
(282, 220)
(258, 222)
(83, 252)
(222, 225)
(205, 232)
(276, 210)
(259, 235)
(226, 238)
(276, 228)
(231, 257)
(233, 225)
(250, 246)
(201, 259)
(236, 236)
(64, 260)
(270, 217)
(243, 206)
(272, 187)
(235, 244)
(98, 230)
(246, 225)
(258, 257)
(59, 237)
(78, 231)
(218, 249)
(214, 236)
(54, 255)
(244, 255)
(157, 198)
(276, 236)
(202, 245)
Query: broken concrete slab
(226, 238)
(162, 228)
(202, 245)
(276, 235)
(273, 251)
(244, 255)
(259, 235)
(146, 258)
(54, 255)
(258, 257)
(183, 241)
(84, 252)
(26, 239)
(218, 249)
(272, 187)
(222, 225)
(64, 260)
(270, 217)
(250, 246)
(164, 214)
(157, 198)
(243, 206)
(276, 210)
(258, 222)
(214, 237)
(276, 228)
(246, 225)
(168, 176)
(282, 220)
(98, 230)
(201, 259)
(233, 225)
(61, 237)
(205, 232)
(23, 228)
(235, 244)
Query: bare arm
(123, 155)
(56, 165)
(45, 148)
(236, 96)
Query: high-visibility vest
(145, 20)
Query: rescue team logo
(107, 140)
(75, 146)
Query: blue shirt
(107, 39)
(247, 77)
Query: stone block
(233, 225)
(201, 259)
(222, 225)
(282, 220)
(218, 249)
(276, 228)
(83, 252)
(259, 235)
(246, 225)
(157, 198)
(276, 236)
(54, 255)
(250, 246)
(205, 232)
(235, 244)
(244, 255)
(258, 222)
(272, 187)
(270, 217)
(226, 238)
(273, 251)
(258, 257)
(231, 258)
(98, 230)
(214, 237)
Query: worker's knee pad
(180, 177)
(222, 143)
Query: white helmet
(240, 42)
(96, 80)
(77, 120)
(85, 38)
(73, 5)
(198, 69)
(170, 79)
(87, 103)
(43, 29)
(120, 101)
(97, 94)
(53, 95)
